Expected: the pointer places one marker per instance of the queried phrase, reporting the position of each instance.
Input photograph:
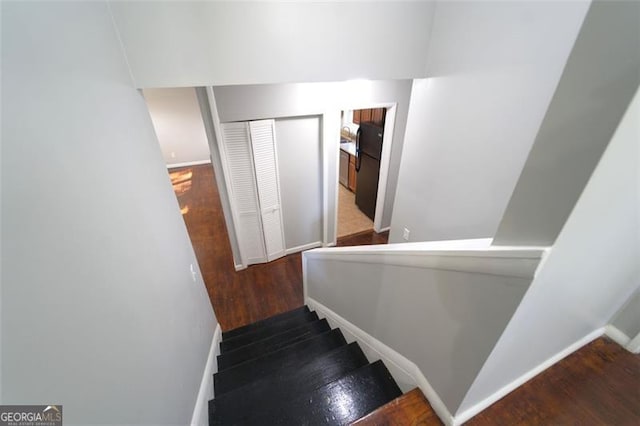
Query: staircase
(294, 369)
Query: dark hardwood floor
(412, 408)
(363, 238)
(598, 385)
(257, 292)
(242, 297)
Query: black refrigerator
(368, 154)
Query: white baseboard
(200, 415)
(621, 338)
(469, 413)
(634, 345)
(303, 247)
(617, 335)
(385, 229)
(187, 164)
(404, 371)
(239, 267)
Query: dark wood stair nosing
(411, 408)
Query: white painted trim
(401, 368)
(510, 263)
(217, 129)
(334, 237)
(621, 338)
(447, 245)
(617, 335)
(239, 267)
(200, 415)
(303, 247)
(477, 408)
(385, 229)
(188, 163)
(209, 121)
(305, 294)
(634, 345)
(385, 161)
(330, 145)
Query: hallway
(257, 292)
(238, 298)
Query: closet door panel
(266, 172)
(252, 244)
(239, 161)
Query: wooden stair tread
(271, 344)
(336, 403)
(265, 322)
(293, 369)
(235, 406)
(410, 409)
(290, 358)
(288, 323)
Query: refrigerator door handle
(358, 150)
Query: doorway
(362, 145)
(180, 130)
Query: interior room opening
(361, 136)
(179, 126)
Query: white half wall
(176, 117)
(99, 309)
(300, 169)
(493, 67)
(443, 309)
(591, 271)
(256, 102)
(200, 43)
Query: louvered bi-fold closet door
(238, 158)
(265, 160)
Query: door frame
(387, 142)
(330, 158)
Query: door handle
(358, 150)
(271, 209)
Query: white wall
(253, 102)
(191, 43)
(300, 170)
(591, 271)
(492, 69)
(1, 180)
(99, 310)
(176, 117)
(598, 82)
